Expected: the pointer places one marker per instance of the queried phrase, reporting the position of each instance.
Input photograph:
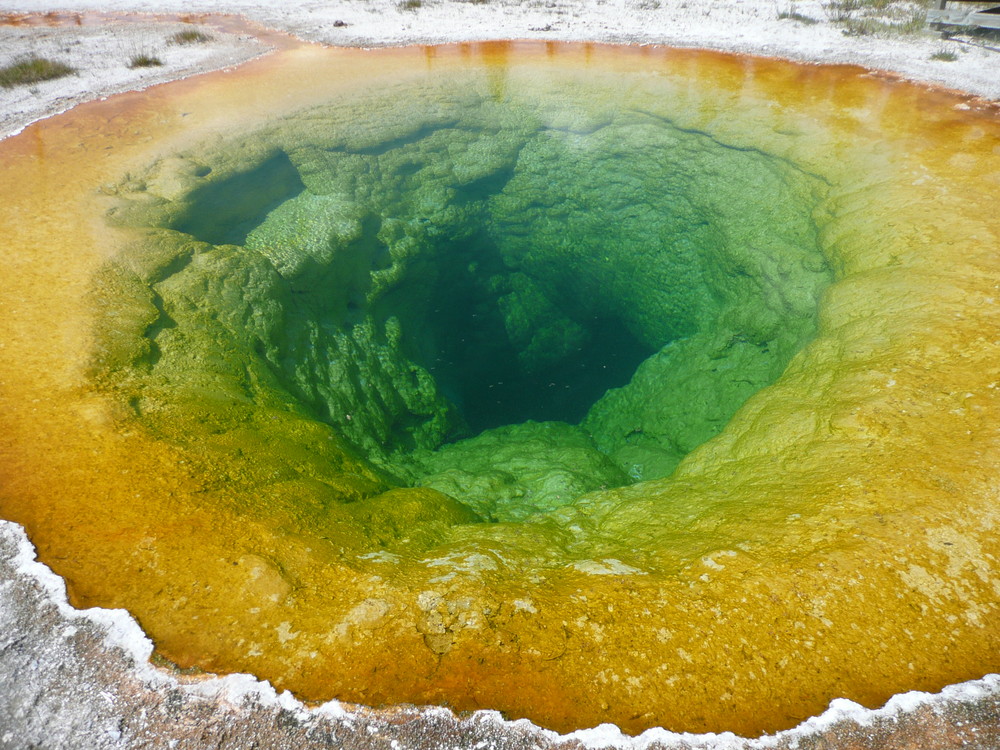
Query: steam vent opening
(585, 384)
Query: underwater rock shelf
(587, 384)
(412, 274)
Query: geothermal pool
(584, 383)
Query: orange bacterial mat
(836, 537)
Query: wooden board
(988, 19)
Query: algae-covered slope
(598, 385)
(438, 259)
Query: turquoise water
(600, 289)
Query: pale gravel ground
(750, 26)
(101, 55)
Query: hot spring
(587, 384)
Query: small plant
(189, 36)
(911, 23)
(144, 60)
(32, 70)
(840, 11)
(876, 18)
(791, 15)
(945, 55)
(409, 4)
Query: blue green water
(513, 302)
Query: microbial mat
(587, 384)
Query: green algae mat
(583, 383)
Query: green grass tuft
(189, 36)
(32, 70)
(791, 15)
(877, 18)
(142, 60)
(409, 4)
(944, 54)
